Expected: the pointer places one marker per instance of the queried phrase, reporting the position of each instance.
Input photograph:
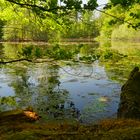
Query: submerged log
(129, 106)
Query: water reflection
(124, 57)
(38, 86)
(1, 52)
(64, 90)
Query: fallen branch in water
(52, 61)
(25, 59)
(17, 60)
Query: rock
(129, 106)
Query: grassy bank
(21, 128)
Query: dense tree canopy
(123, 21)
(124, 2)
(55, 6)
(54, 19)
(29, 21)
(61, 7)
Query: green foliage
(72, 4)
(127, 14)
(31, 52)
(45, 21)
(38, 52)
(27, 51)
(52, 20)
(59, 53)
(7, 102)
(91, 5)
(133, 16)
(41, 6)
(125, 33)
(22, 25)
(110, 23)
(83, 25)
(106, 54)
(25, 26)
(2, 23)
(94, 108)
(90, 58)
(124, 2)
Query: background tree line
(53, 20)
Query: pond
(82, 82)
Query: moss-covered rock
(129, 106)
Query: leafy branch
(119, 19)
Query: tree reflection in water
(39, 87)
(38, 84)
(1, 52)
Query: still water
(63, 89)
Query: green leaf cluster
(59, 53)
(121, 20)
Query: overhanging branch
(33, 6)
(122, 20)
(45, 9)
